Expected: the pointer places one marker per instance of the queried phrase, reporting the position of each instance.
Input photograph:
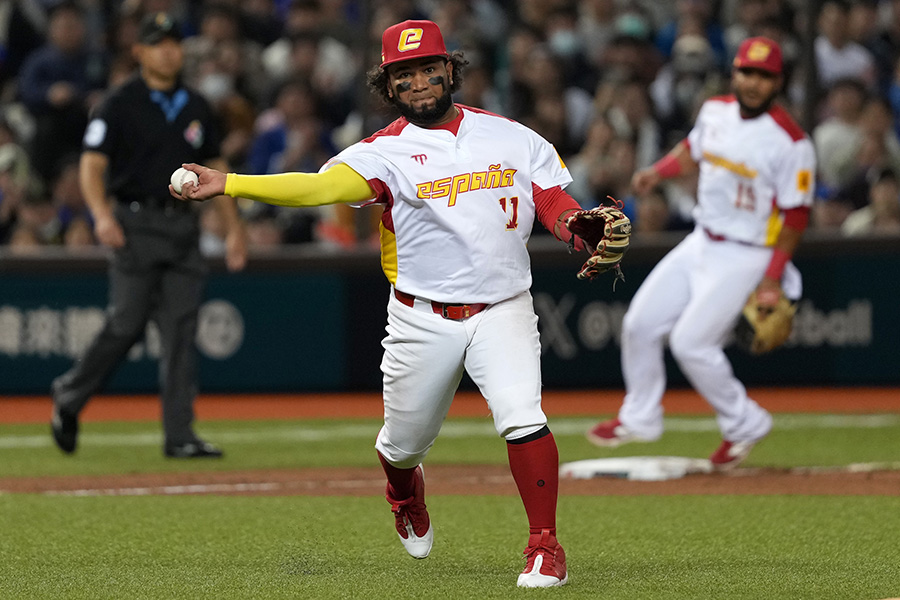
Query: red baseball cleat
(411, 518)
(611, 434)
(545, 562)
(731, 454)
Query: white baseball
(182, 176)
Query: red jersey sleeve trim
(787, 122)
(796, 218)
(553, 206)
(393, 129)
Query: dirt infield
(145, 407)
(478, 479)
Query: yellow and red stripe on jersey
(737, 168)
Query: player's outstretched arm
(337, 184)
(677, 162)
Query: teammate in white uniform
(461, 189)
(756, 169)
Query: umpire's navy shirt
(147, 134)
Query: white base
(636, 468)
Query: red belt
(721, 238)
(714, 236)
(455, 312)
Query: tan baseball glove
(761, 329)
(606, 232)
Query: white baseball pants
(424, 358)
(694, 297)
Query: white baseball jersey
(458, 208)
(750, 169)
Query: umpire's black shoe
(197, 449)
(65, 430)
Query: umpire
(143, 131)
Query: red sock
(401, 480)
(535, 467)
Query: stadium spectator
(829, 211)
(17, 179)
(23, 25)
(651, 214)
(696, 17)
(264, 232)
(310, 48)
(589, 168)
(882, 214)
(837, 55)
(260, 21)
(838, 136)
(219, 61)
(559, 111)
(79, 234)
(628, 108)
(66, 196)
(683, 84)
(863, 22)
(878, 149)
(749, 16)
(292, 137)
(566, 44)
(628, 57)
(24, 240)
(38, 214)
(58, 84)
(479, 91)
(597, 26)
(886, 46)
(240, 54)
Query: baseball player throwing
(755, 189)
(460, 189)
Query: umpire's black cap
(156, 27)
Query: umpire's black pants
(159, 274)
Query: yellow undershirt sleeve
(340, 183)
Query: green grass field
(691, 546)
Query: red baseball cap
(411, 39)
(759, 53)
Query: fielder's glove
(606, 232)
(761, 329)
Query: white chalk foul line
(255, 487)
(323, 432)
(378, 483)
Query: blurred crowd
(613, 84)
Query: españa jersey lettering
(750, 170)
(458, 208)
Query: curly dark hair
(377, 78)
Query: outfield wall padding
(306, 319)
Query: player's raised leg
(422, 367)
(651, 315)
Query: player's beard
(426, 116)
(751, 112)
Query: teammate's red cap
(759, 53)
(411, 39)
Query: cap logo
(410, 39)
(758, 51)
